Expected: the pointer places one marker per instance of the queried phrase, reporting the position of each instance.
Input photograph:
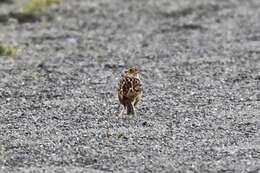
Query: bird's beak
(123, 73)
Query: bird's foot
(121, 114)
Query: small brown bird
(129, 91)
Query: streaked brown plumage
(129, 91)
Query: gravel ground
(200, 66)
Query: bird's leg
(134, 112)
(121, 113)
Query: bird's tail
(130, 109)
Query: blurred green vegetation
(119, 135)
(8, 50)
(3, 154)
(34, 5)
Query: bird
(129, 91)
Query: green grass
(3, 154)
(8, 50)
(119, 135)
(33, 5)
(46, 24)
(101, 59)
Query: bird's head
(131, 72)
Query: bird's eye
(132, 70)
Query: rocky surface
(199, 63)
